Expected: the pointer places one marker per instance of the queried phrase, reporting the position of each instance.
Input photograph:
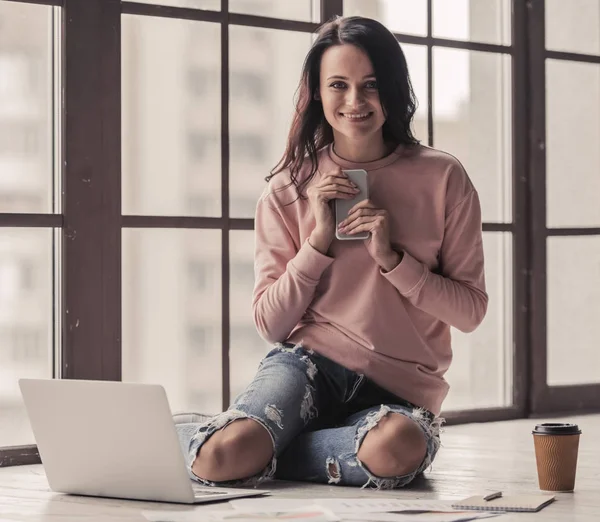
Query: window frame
(543, 398)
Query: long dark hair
(310, 131)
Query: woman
(352, 391)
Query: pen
(492, 496)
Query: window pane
(214, 5)
(172, 314)
(416, 59)
(26, 266)
(26, 80)
(247, 347)
(573, 26)
(481, 373)
(171, 92)
(473, 20)
(265, 68)
(573, 310)
(306, 10)
(399, 16)
(573, 134)
(472, 120)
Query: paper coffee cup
(556, 446)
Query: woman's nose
(355, 98)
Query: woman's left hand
(365, 217)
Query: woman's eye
(338, 85)
(371, 85)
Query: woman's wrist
(391, 260)
(320, 241)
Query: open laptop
(113, 439)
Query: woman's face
(349, 94)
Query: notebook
(529, 503)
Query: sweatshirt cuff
(408, 276)
(310, 263)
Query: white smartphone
(343, 206)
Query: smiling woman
(352, 390)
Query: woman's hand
(365, 217)
(333, 185)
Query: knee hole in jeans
(394, 447)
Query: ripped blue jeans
(317, 414)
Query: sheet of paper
(304, 514)
(424, 517)
(341, 506)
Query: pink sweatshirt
(394, 327)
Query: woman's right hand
(333, 185)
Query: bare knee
(240, 450)
(396, 446)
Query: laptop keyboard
(200, 491)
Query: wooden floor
(474, 459)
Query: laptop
(113, 439)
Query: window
(15, 74)
(299, 10)
(199, 145)
(242, 272)
(198, 275)
(170, 133)
(248, 147)
(248, 86)
(247, 348)
(201, 81)
(27, 81)
(26, 322)
(27, 345)
(392, 13)
(21, 140)
(199, 204)
(28, 180)
(259, 128)
(244, 204)
(16, 276)
(171, 297)
(197, 336)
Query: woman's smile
(356, 117)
